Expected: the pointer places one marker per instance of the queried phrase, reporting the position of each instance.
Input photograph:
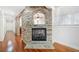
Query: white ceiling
(60, 10)
(15, 9)
(63, 10)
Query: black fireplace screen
(38, 34)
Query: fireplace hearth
(38, 34)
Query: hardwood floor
(18, 45)
(0, 46)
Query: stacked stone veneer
(28, 24)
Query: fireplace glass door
(38, 34)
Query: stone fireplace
(37, 27)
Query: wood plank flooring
(18, 45)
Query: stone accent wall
(27, 25)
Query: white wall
(10, 23)
(2, 25)
(67, 35)
(66, 30)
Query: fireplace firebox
(38, 34)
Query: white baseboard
(65, 44)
